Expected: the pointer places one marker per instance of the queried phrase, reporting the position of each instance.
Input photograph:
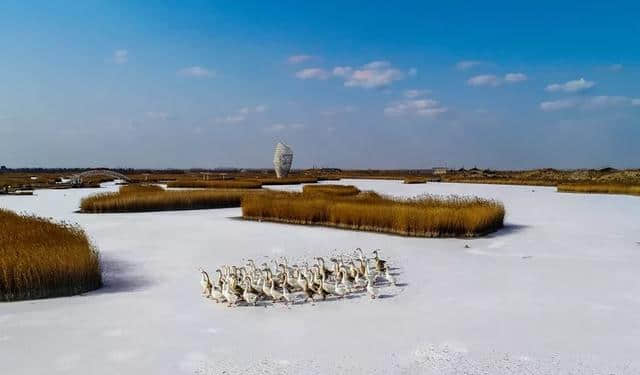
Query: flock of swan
(249, 284)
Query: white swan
(216, 295)
(288, 297)
(389, 277)
(265, 289)
(380, 264)
(348, 286)
(327, 287)
(301, 281)
(276, 295)
(339, 289)
(231, 297)
(205, 283)
(249, 297)
(359, 282)
(371, 290)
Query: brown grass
(600, 188)
(288, 180)
(141, 198)
(425, 216)
(328, 178)
(499, 181)
(330, 189)
(40, 258)
(415, 180)
(218, 184)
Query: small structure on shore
(282, 159)
(440, 170)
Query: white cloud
(377, 65)
(590, 103)
(297, 59)
(571, 86)
(615, 67)
(467, 64)
(413, 72)
(312, 73)
(120, 56)
(432, 111)
(196, 72)
(241, 114)
(515, 77)
(284, 127)
(484, 80)
(494, 81)
(372, 75)
(414, 93)
(421, 107)
(342, 71)
(556, 105)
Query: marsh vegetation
(40, 258)
(330, 189)
(219, 184)
(415, 180)
(424, 216)
(141, 198)
(600, 188)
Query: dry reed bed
(218, 184)
(330, 189)
(600, 188)
(500, 181)
(415, 180)
(425, 216)
(143, 198)
(288, 180)
(40, 258)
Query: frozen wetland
(557, 291)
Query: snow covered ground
(555, 292)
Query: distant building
(282, 160)
(440, 170)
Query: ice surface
(557, 291)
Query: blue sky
(353, 85)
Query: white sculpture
(282, 159)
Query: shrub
(40, 258)
(426, 216)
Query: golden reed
(40, 258)
(426, 216)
